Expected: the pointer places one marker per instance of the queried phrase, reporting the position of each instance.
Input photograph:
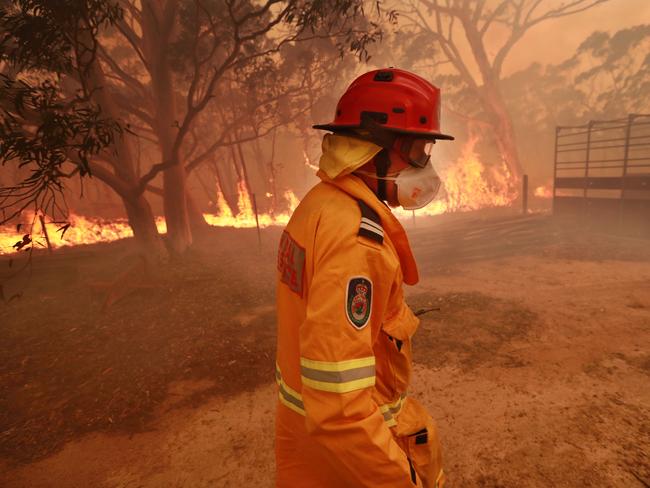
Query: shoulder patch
(291, 263)
(358, 301)
(370, 225)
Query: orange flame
(468, 185)
(87, 230)
(82, 230)
(543, 192)
(246, 215)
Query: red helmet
(393, 100)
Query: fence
(602, 173)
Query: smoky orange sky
(549, 42)
(555, 40)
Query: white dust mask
(416, 187)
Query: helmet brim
(421, 135)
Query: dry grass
(71, 365)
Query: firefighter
(343, 362)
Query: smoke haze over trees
(158, 69)
(164, 102)
(608, 77)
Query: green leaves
(46, 34)
(42, 125)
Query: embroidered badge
(358, 301)
(291, 263)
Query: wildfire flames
(543, 192)
(468, 185)
(85, 230)
(246, 215)
(82, 230)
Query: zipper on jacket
(413, 477)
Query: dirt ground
(535, 367)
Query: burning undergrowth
(469, 330)
(468, 184)
(41, 231)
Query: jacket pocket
(397, 332)
(417, 435)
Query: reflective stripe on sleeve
(338, 377)
(388, 417)
(287, 395)
(293, 400)
(390, 410)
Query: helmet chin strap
(382, 163)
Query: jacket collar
(355, 187)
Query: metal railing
(603, 168)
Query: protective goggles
(416, 152)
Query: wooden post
(257, 220)
(44, 229)
(242, 160)
(524, 195)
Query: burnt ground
(73, 364)
(535, 366)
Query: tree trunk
(242, 159)
(231, 191)
(267, 171)
(506, 142)
(142, 222)
(157, 24)
(504, 135)
(273, 177)
(224, 184)
(493, 102)
(199, 227)
(139, 212)
(179, 234)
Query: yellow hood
(342, 155)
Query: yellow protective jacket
(343, 359)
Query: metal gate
(602, 173)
